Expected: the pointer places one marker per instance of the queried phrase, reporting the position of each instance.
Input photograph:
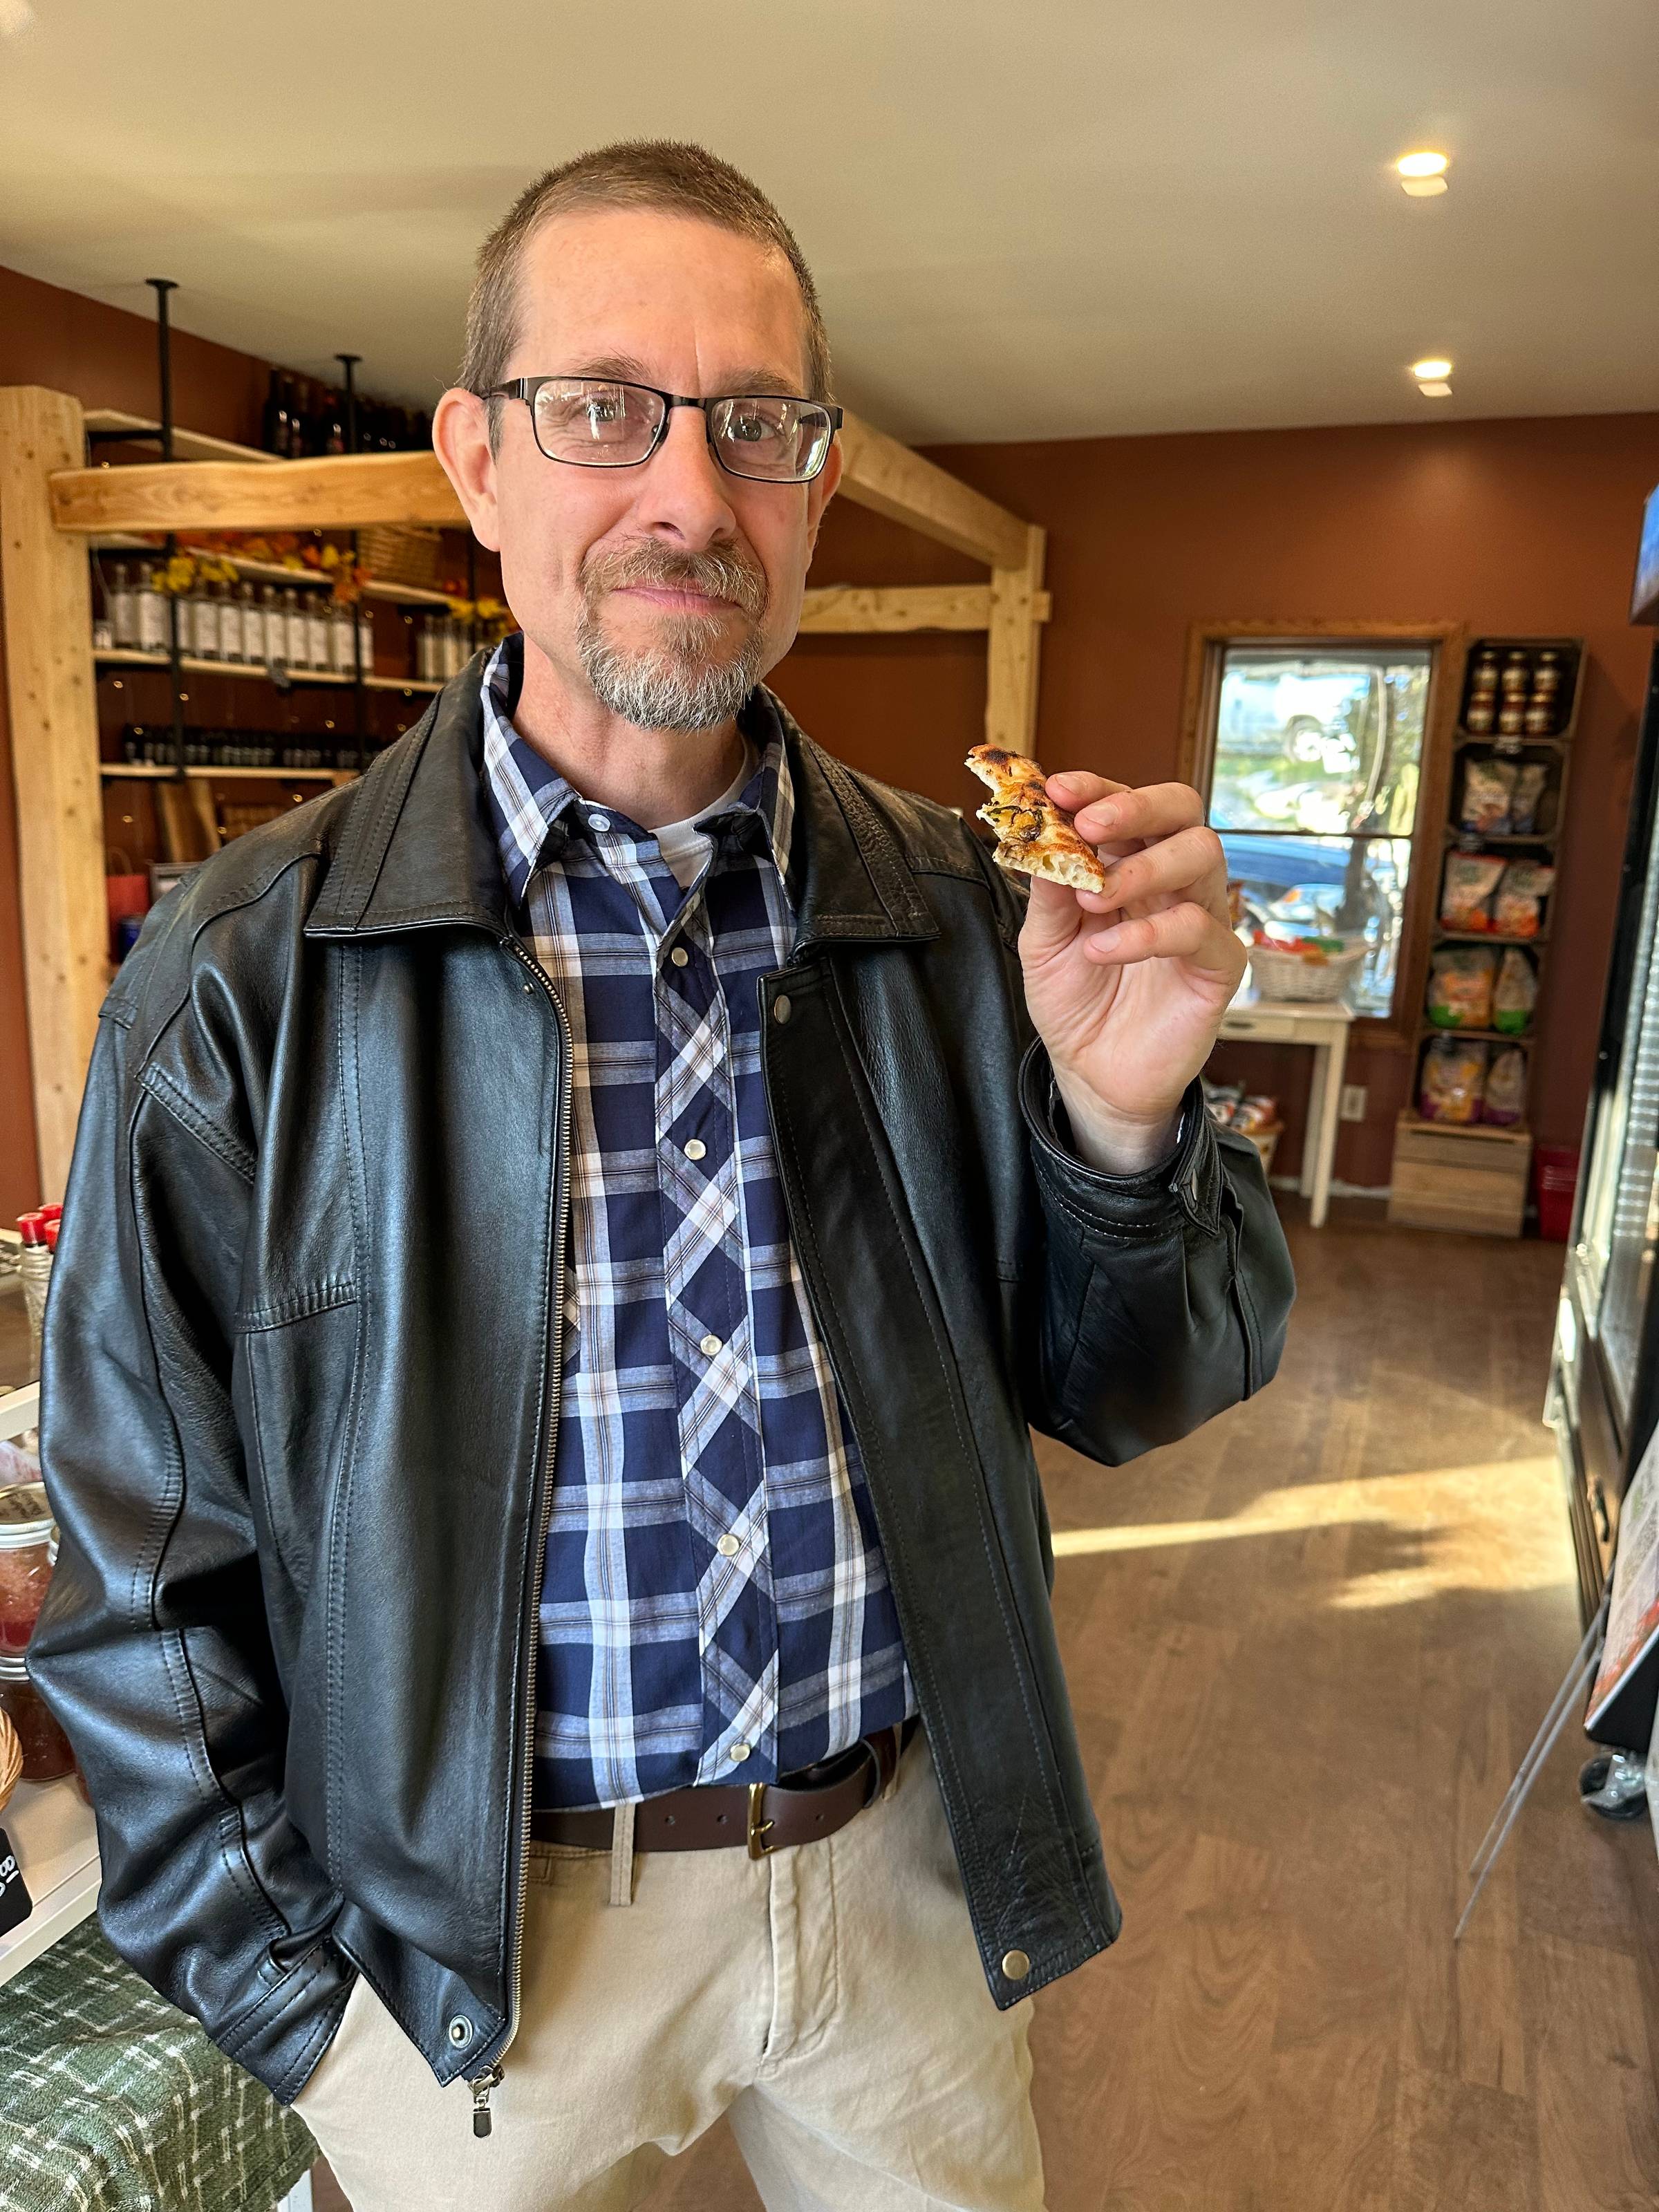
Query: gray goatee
(693, 679)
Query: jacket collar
(416, 850)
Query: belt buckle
(758, 1829)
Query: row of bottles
(443, 646)
(243, 622)
(1524, 695)
(221, 749)
(303, 418)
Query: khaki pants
(829, 1998)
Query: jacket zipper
(481, 2084)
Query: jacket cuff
(1186, 1187)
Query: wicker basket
(1287, 976)
(401, 553)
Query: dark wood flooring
(1307, 1647)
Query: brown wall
(1514, 527)
(1518, 526)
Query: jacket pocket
(297, 1376)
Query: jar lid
(25, 1516)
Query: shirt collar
(534, 811)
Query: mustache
(721, 575)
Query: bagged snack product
(1513, 994)
(1453, 1075)
(1460, 987)
(1255, 1114)
(1467, 888)
(1530, 783)
(1518, 909)
(1488, 796)
(1506, 1096)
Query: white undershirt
(684, 846)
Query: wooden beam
(351, 491)
(343, 492)
(880, 473)
(47, 596)
(1011, 688)
(853, 609)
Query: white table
(1325, 1026)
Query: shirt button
(680, 957)
(598, 821)
(727, 1546)
(709, 1347)
(780, 1007)
(739, 1752)
(696, 1148)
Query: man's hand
(1127, 986)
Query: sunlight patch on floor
(1501, 1526)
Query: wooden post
(47, 597)
(1011, 690)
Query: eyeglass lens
(597, 424)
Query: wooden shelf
(277, 572)
(1458, 832)
(126, 657)
(155, 771)
(187, 444)
(1429, 1028)
(1507, 744)
(1512, 1132)
(1487, 937)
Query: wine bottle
(318, 645)
(152, 612)
(122, 613)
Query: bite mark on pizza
(1035, 837)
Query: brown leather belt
(764, 1816)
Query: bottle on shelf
(1543, 700)
(150, 610)
(123, 612)
(426, 650)
(319, 630)
(229, 608)
(296, 637)
(202, 638)
(366, 634)
(250, 622)
(275, 434)
(276, 628)
(342, 632)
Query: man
(565, 1240)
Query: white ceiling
(1060, 218)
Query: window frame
(1447, 643)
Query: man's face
(669, 588)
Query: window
(1314, 753)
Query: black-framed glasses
(598, 423)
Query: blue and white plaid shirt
(715, 1606)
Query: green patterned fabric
(112, 2102)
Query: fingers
(1116, 813)
(1074, 787)
(1053, 918)
(1187, 933)
(1189, 863)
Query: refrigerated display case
(1603, 1398)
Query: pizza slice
(1035, 837)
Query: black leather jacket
(298, 1385)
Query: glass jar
(26, 1552)
(46, 1754)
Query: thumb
(1053, 918)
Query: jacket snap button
(460, 2032)
(780, 1008)
(1016, 1965)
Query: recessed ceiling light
(1422, 175)
(1432, 369)
(1436, 389)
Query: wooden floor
(1307, 1649)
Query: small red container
(1555, 1184)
